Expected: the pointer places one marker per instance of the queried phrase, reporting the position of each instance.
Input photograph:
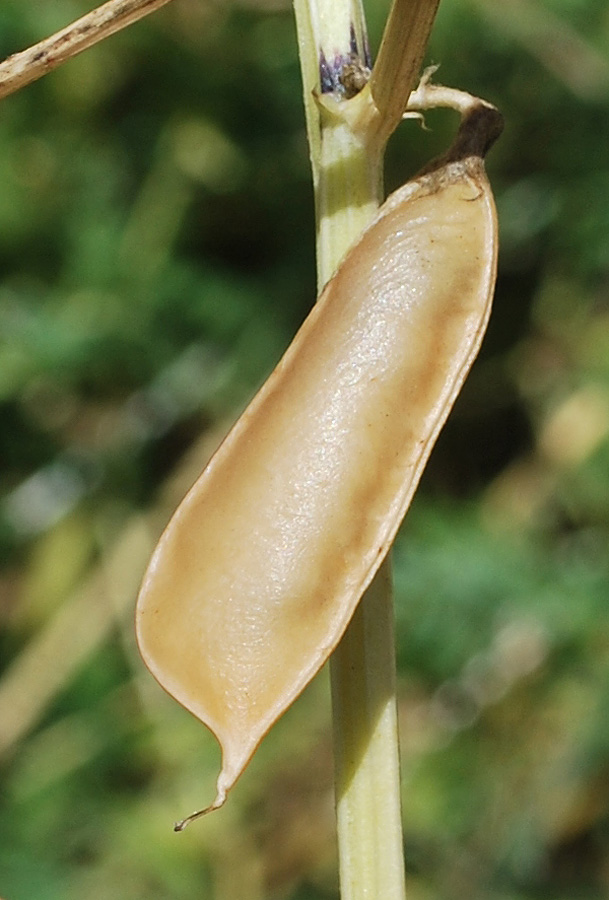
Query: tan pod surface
(259, 571)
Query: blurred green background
(156, 256)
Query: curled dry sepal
(259, 571)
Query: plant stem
(366, 750)
(347, 177)
(347, 139)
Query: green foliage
(156, 255)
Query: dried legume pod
(259, 571)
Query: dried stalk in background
(22, 68)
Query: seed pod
(259, 571)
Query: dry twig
(22, 68)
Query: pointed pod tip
(218, 802)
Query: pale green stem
(366, 750)
(349, 193)
(362, 668)
(348, 189)
(347, 176)
(347, 141)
